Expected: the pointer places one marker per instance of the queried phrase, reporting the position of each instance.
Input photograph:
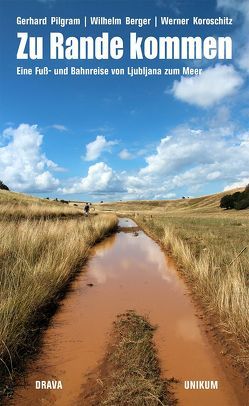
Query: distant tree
(242, 204)
(237, 196)
(238, 200)
(226, 202)
(64, 201)
(101, 201)
(3, 186)
(183, 197)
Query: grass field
(206, 242)
(43, 243)
(16, 206)
(38, 256)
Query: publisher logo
(48, 384)
(200, 385)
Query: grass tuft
(130, 372)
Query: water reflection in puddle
(127, 272)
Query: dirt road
(128, 270)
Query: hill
(201, 206)
(18, 205)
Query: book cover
(124, 197)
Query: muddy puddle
(128, 271)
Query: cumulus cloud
(100, 179)
(125, 154)
(178, 150)
(23, 165)
(212, 86)
(184, 162)
(187, 160)
(95, 148)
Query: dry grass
(130, 372)
(37, 259)
(16, 206)
(221, 285)
(34, 211)
(205, 241)
(200, 206)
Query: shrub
(238, 200)
(64, 201)
(227, 202)
(3, 186)
(242, 204)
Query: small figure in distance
(86, 209)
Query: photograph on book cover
(124, 202)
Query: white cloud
(125, 154)
(241, 39)
(213, 175)
(188, 160)
(213, 85)
(165, 196)
(241, 183)
(177, 151)
(100, 179)
(185, 162)
(59, 127)
(23, 166)
(95, 148)
(46, 181)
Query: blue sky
(111, 138)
